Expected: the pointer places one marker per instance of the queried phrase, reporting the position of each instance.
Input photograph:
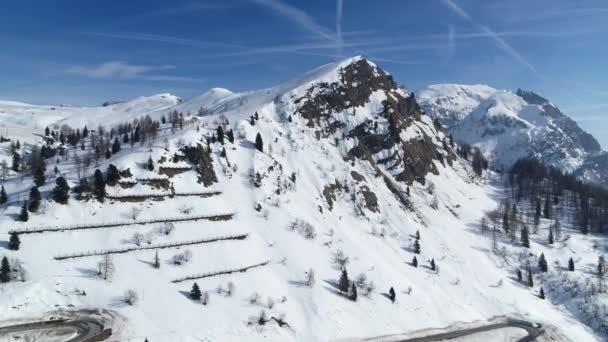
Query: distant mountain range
(511, 125)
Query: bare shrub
(137, 238)
(230, 289)
(130, 297)
(149, 237)
(166, 228)
(307, 230)
(340, 260)
(205, 298)
(181, 258)
(105, 268)
(310, 278)
(254, 298)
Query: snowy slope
(512, 125)
(345, 150)
(20, 119)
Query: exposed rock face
(370, 198)
(379, 139)
(329, 192)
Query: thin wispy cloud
(124, 70)
(559, 13)
(498, 40)
(298, 17)
(163, 39)
(340, 42)
(451, 44)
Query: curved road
(533, 331)
(87, 329)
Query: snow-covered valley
(263, 199)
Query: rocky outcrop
(409, 161)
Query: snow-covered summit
(512, 125)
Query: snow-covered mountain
(511, 125)
(338, 168)
(20, 119)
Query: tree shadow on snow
(87, 272)
(147, 262)
(409, 249)
(333, 288)
(297, 283)
(247, 144)
(185, 294)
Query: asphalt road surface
(532, 330)
(86, 329)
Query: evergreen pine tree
(344, 283)
(47, 131)
(542, 293)
(108, 153)
(417, 246)
(195, 293)
(547, 208)
(550, 236)
(16, 166)
(537, 213)
(116, 146)
(519, 276)
(156, 263)
(433, 264)
(34, 199)
(392, 295)
(23, 215)
(230, 136)
(417, 235)
(571, 265)
(112, 175)
(530, 278)
(251, 121)
(99, 186)
(542, 263)
(150, 163)
(220, 135)
(353, 292)
(525, 238)
(14, 242)
(3, 196)
(505, 221)
(5, 271)
(415, 262)
(61, 192)
(39, 177)
(259, 144)
(256, 116)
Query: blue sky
(86, 52)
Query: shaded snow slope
(512, 125)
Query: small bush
(130, 297)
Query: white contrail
(498, 40)
(339, 41)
